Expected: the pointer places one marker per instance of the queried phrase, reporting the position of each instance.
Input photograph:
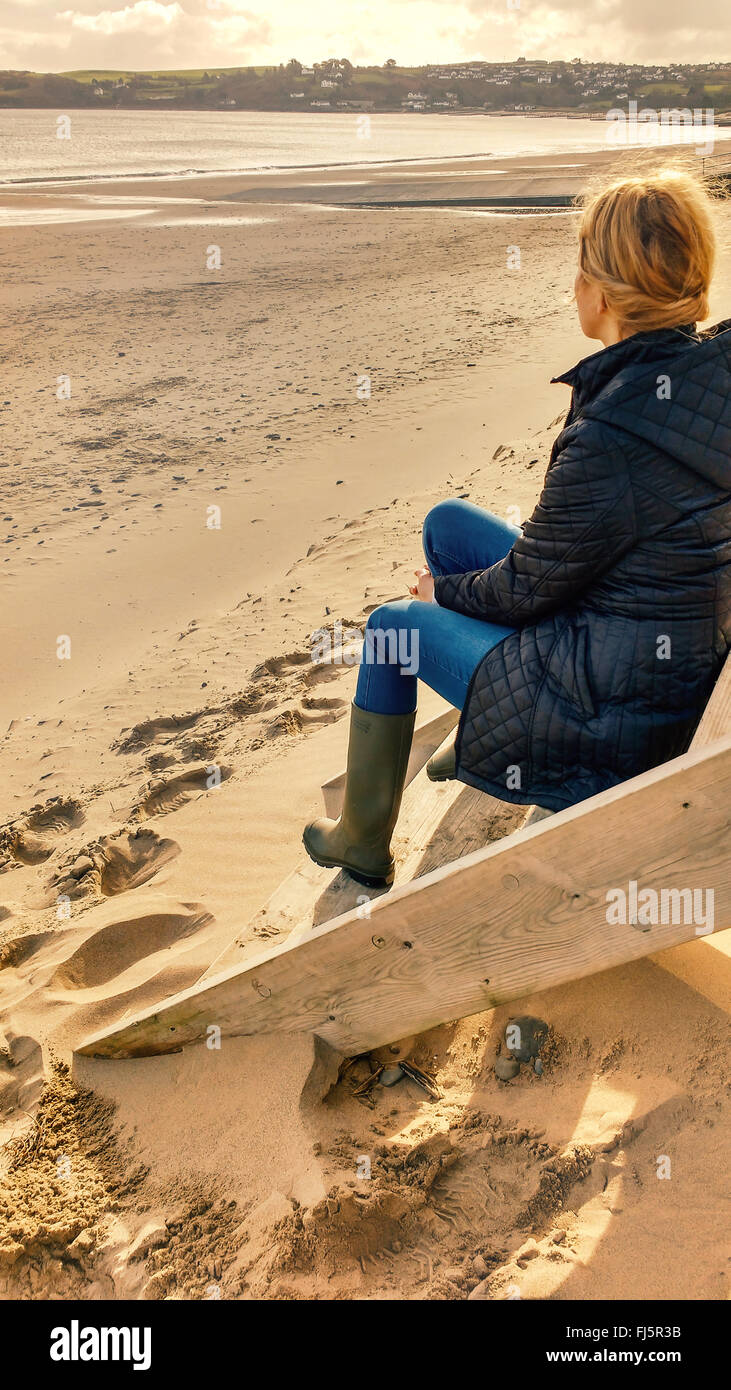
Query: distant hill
(337, 85)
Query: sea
(38, 147)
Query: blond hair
(648, 241)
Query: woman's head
(646, 254)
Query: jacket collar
(693, 426)
(592, 373)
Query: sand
(239, 1172)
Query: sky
(44, 36)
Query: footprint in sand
(151, 730)
(115, 864)
(307, 714)
(277, 678)
(160, 762)
(116, 948)
(328, 705)
(21, 1073)
(321, 672)
(19, 949)
(169, 794)
(32, 839)
(252, 700)
(486, 1186)
(161, 737)
(22, 848)
(286, 665)
(56, 818)
(194, 750)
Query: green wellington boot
(360, 841)
(443, 766)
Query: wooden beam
(716, 721)
(522, 915)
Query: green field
(164, 74)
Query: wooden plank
(522, 915)
(716, 721)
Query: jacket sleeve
(582, 525)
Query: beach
(228, 404)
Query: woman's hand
(424, 586)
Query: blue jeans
(408, 640)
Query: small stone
(525, 1036)
(558, 1237)
(527, 1252)
(390, 1076)
(479, 1266)
(506, 1068)
(538, 1066)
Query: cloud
(146, 16)
(187, 33)
(645, 31)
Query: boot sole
(447, 778)
(368, 880)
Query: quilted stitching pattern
(620, 586)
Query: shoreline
(271, 176)
(526, 180)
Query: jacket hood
(671, 388)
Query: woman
(581, 650)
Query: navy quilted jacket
(619, 586)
